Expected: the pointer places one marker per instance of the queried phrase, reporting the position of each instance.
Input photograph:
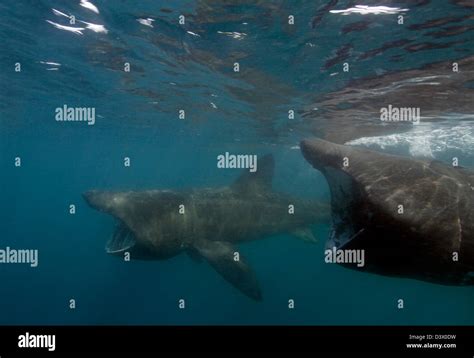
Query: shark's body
(159, 224)
(414, 218)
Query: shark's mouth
(122, 240)
(346, 208)
(348, 211)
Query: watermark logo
(400, 114)
(37, 341)
(337, 256)
(14, 256)
(75, 114)
(240, 161)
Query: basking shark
(413, 218)
(206, 223)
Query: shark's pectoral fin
(304, 234)
(228, 262)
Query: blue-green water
(173, 67)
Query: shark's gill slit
(122, 239)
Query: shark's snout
(98, 200)
(321, 153)
(90, 197)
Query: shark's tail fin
(224, 259)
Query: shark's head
(362, 219)
(349, 172)
(105, 201)
(139, 216)
(398, 209)
(115, 204)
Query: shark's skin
(437, 223)
(152, 227)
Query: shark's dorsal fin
(258, 181)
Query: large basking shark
(413, 218)
(160, 224)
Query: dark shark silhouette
(414, 218)
(151, 226)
